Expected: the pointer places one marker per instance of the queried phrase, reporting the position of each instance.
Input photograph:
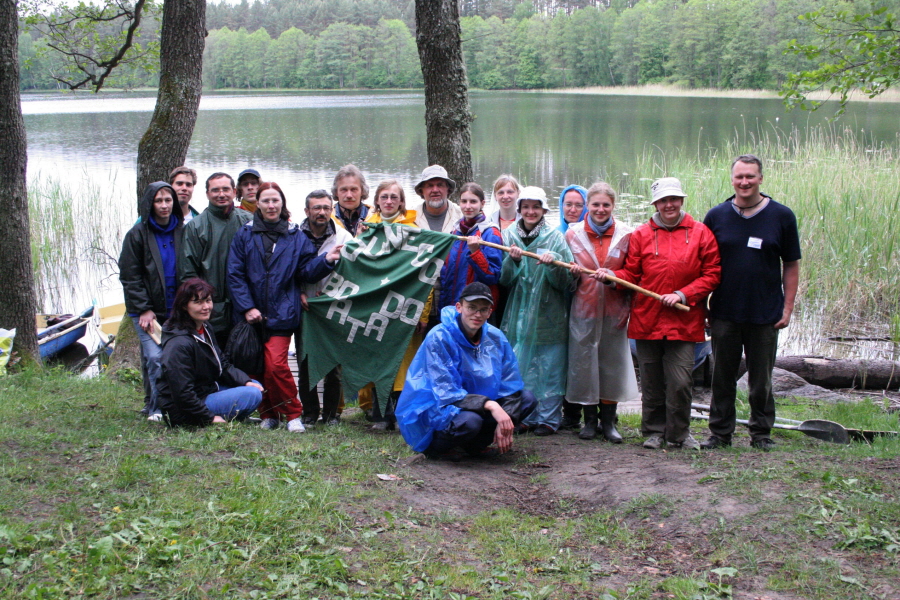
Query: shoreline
(891, 95)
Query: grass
(94, 502)
(674, 90)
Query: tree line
(323, 44)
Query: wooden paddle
(559, 263)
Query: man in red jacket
(677, 257)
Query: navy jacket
(274, 288)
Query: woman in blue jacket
(269, 260)
(469, 261)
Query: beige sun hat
(434, 172)
(532, 192)
(665, 187)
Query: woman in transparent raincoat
(537, 312)
(600, 373)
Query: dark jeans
(666, 381)
(474, 432)
(730, 341)
(309, 395)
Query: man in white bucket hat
(437, 212)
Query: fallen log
(834, 373)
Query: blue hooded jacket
(563, 226)
(445, 370)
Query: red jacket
(685, 259)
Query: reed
(844, 189)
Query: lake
(89, 143)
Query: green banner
(371, 304)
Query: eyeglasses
(389, 197)
(321, 208)
(578, 206)
(479, 311)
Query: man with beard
(437, 212)
(322, 231)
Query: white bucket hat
(532, 192)
(434, 172)
(665, 187)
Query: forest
(370, 44)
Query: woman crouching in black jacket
(199, 385)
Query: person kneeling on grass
(199, 385)
(463, 390)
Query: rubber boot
(589, 431)
(571, 415)
(608, 423)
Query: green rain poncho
(536, 320)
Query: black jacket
(140, 264)
(192, 369)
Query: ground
(95, 502)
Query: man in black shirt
(760, 249)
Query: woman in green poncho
(537, 313)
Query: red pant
(280, 399)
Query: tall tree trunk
(165, 144)
(447, 114)
(17, 301)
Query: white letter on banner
(332, 284)
(420, 258)
(342, 308)
(351, 250)
(417, 307)
(377, 322)
(432, 279)
(395, 236)
(408, 244)
(354, 325)
(386, 311)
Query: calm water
(550, 140)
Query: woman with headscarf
(601, 373)
(678, 258)
(269, 261)
(572, 206)
(537, 313)
(148, 272)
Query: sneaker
(654, 442)
(521, 429)
(690, 443)
(384, 426)
(333, 421)
(296, 426)
(764, 444)
(269, 424)
(155, 418)
(310, 421)
(714, 443)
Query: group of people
(527, 329)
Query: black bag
(245, 348)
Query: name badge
(754, 242)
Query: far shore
(891, 95)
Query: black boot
(571, 415)
(608, 423)
(589, 431)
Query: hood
(563, 226)
(450, 320)
(146, 204)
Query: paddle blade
(827, 431)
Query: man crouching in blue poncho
(463, 390)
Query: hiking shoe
(296, 426)
(520, 429)
(155, 418)
(543, 430)
(269, 424)
(714, 443)
(690, 443)
(310, 421)
(764, 444)
(383, 426)
(654, 442)
(333, 421)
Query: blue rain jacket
(448, 367)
